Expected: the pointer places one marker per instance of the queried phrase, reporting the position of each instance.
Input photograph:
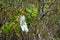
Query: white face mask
(23, 24)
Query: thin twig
(43, 7)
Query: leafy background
(9, 17)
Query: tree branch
(43, 5)
(48, 10)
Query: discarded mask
(23, 24)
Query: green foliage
(31, 13)
(9, 26)
(6, 27)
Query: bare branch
(48, 10)
(43, 7)
(39, 6)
